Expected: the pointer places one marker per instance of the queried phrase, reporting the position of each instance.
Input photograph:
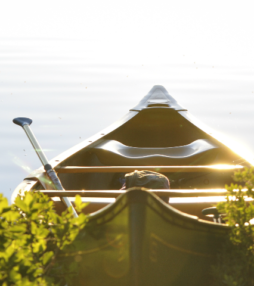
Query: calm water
(70, 95)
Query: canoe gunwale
(144, 197)
(116, 193)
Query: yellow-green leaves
(4, 207)
(235, 265)
(32, 235)
(19, 202)
(78, 203)
(46, 257)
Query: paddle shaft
(24, 123)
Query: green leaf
(80, 220)
(46, 257)
(39, 230)
(28, 199)
(3, 205)
(79, 204)
(14, 275)
(39, 246)
(18, 228)
(10, 215)
(20, 204)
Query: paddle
(24, 123)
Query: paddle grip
(21, 121)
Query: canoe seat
(114, 153)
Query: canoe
(139, 239)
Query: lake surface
(71, 95)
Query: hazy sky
(206, 32)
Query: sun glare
(226, 167)
(235, 146)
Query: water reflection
(71, 94)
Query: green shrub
(235, 265)
(32, 236)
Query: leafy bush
(32, 236)
(235, 265)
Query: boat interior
(157, 136)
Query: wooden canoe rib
(139, 239)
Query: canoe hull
(140, 240)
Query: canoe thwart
(161, 169)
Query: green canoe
(139, 239)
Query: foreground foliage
(32, 236)
(235, 265)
